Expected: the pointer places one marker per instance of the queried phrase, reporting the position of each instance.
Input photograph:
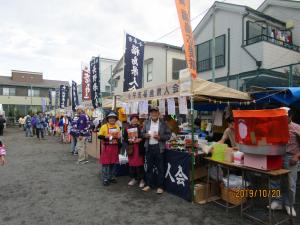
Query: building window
(33, 93)
(255, 32)
(204, 54)
(177, 65)
(9, 91)
(148, 68)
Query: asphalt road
(42, 184)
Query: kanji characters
(168, 173)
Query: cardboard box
(200, 191)
(199, 172)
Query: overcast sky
(55, 36)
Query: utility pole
(111, 81)
(214, 47)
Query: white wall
(285, 14)
(105, 72)
(240, 61)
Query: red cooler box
(263, 162)
(261, 127)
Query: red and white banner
(86, 82)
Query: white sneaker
(132, 182)
(142, 184)
(288, 210)
(275, 205)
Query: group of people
(36, 124)
(145, 144)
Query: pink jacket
(2, 151)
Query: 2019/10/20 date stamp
(257, 193)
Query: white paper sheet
(143, 107)
(218, 121)
(134, 107)
(162, 106)
(171, 106)
(182, 105)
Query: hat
(112, 114)
(154, 108)
(134, 116)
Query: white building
(162, 63)
(252, 47)
(106, 71)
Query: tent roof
(206, 88)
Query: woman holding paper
(135, 151)
(110, 136)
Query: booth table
(273, 174)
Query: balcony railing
(272, 40)
(206, 64)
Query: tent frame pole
(193, 149)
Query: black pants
(1, 131)
(154, 159)
(136, 172)
(38, 131)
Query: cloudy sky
(55, 36)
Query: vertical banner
(75, 101)
(134, 59)
(50, 99)
(183, 11)
(66, 95)
(43, 104)
(57, 91)
(177, 166)
(62, 96)
(95, 81)
(86, 83)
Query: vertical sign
(66, 95)
(75, 101)
(62, 96)
(86, 83)
(134, 58)
(50, 99)
(183, 12)
(56, 97)
(95, 81)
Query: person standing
(28, 126)
(135, 151)
(2, 153)
(2, 122)
(40, 121)
(110, 136)
(33, 124)
(74, 135)
(82, 126)
(290, 163)
(156, 132)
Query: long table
(273, 174)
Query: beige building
(23, 92)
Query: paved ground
(42, 184)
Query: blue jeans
(288, 184)
(154, 159)
(28, 131)
(108, 172)
(73, 145)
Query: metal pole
(111, 79)
(290, 76)
(193, 149)
(213, 48)
(31, 97)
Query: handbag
(129, 149)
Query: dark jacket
(2, 122)
(163, 131)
